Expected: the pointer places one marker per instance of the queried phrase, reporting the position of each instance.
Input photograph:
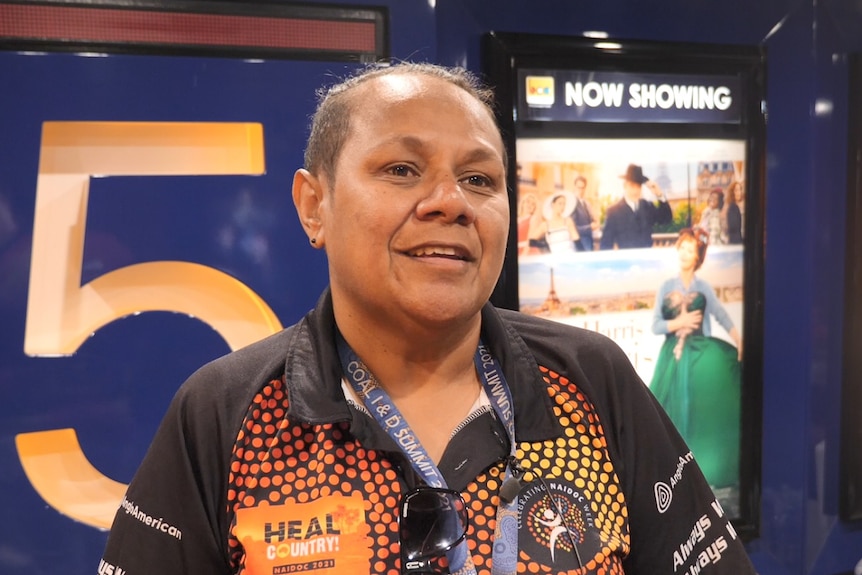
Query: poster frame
(504, 54)
(850, 476)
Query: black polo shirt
(261, 465)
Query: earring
(313, 241)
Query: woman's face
(687, 252)
(416, 223)
(558, 205)
(713, 201)
(528, 205)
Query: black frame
(851, 393)
(504, 54)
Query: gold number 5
(62, 314)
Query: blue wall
(807, 45)
(806, 42)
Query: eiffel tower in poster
(552, 301)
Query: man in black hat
(630, 221)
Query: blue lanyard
(387, 415)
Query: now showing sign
(589, 96)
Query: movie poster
(672, 299)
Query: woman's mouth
(438, 252)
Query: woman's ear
(308, 198)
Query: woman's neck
(686, 276)
(431, 378)
(406, 358)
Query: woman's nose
(448, 201)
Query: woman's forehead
(409, 108)
(389, 92)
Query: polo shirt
(262, 466)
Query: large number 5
(62, 314)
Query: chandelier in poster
(673, 300)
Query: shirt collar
(313, 374)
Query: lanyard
(387, 415)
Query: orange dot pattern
(276, 462)
(580, 458)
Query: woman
(406, 425)
(732, 214)
(710, 219)
(528, 217)
(697, 377)
(558, 228)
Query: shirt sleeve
(659, 324)
(704, 219)
(662, 214)
(734, 218)
(172, 520)
(715, 308)
(609, 232)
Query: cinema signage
(596, 96)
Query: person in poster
(697, 376)
(711, 218)
(630, 221)
(557, 227)
(732, 213)
(528, 218)
(583, 217)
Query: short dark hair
(580, 179)
(331, 121)
(719, 193)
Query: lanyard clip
(512, 484)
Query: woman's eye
(402, 170)
(479, 181)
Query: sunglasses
(431, 522)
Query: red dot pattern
(277, 462)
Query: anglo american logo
(664, 490)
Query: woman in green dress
(697, 376)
